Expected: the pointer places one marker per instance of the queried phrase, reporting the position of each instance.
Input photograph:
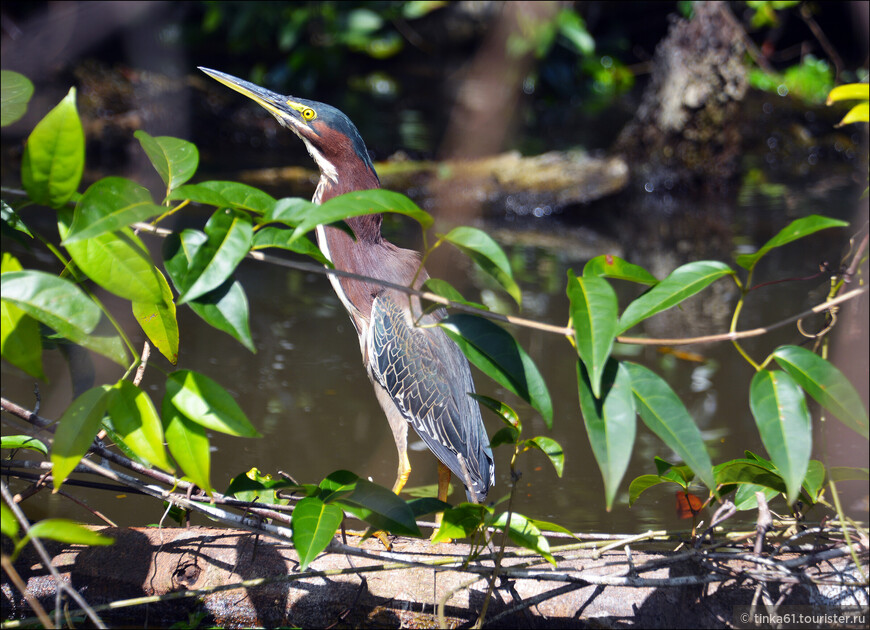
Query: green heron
(420, 376)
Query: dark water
(306, 390)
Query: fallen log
(238, 579)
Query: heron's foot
(380, 535)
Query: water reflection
(306, 389)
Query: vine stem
(564, 331)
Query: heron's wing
(428, 379)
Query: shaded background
(459, 80)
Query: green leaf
(229, 238)
(552, 449)
(23, 441)
(135, 420)
(15, 92)
(12, 220)
(8, 522)
(381, 508)
(226, 195)
(427, 505)
(57, 303)
(20, 341)
(798, 228)
(848, 473)
(747, 471)
(495, 352)
(108, 205)
(482, 249)
(610, 423)
(289, 211)
(505, 435)
(826, 384)
(314, 525)
(783, 421)
(226, 308)
(595, 317)
(337, 484)
(461, 521)
(205, 402)
(524, 533)
(608, 266)
(76, 431)
(158, 321)
(255, 486)
(66, 531)
(280, 238)
(503, 410)
(174, 159)
(178, 252)
(641, 484)
(664, 414)
(358, 203)
(681, 284)
(745, 499)
(815, 479)
(446, 290)
(188, 444)
(120, 263)
(54, 155)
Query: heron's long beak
(275, 104)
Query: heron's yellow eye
(309, 114)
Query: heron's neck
(367, 228)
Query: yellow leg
(443, 488)
(404, 473)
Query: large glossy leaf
(495, 352)
(57, 303)
(205, 402)
(826, 384)
(76, 431)
(798, 228)
(159, 322)
(229, 238)
(54, 156)
(525, 534)
(641, 484)
(358, 203)
(280, 238)
(20, 341)
(594, 314)
(482, 249)
(178, 252)
(681, 284)
(745, 499)
(610, 423)
(108, 205)
(188, 444)
(461, 521)
(381, 508)
(446, 290)
(15, 93)
(23, 441)
(135, 420)
(120, 263)
(501, 409)
(174, 159)
(551, 448)
(748, 471)
(66, 531)
(226, 308)
(664, 414)
(783, 421)
(290, 211)
(610, 266)
(226, 195)
(314, 525)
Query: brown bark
(151, 561)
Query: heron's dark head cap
(329, 135)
